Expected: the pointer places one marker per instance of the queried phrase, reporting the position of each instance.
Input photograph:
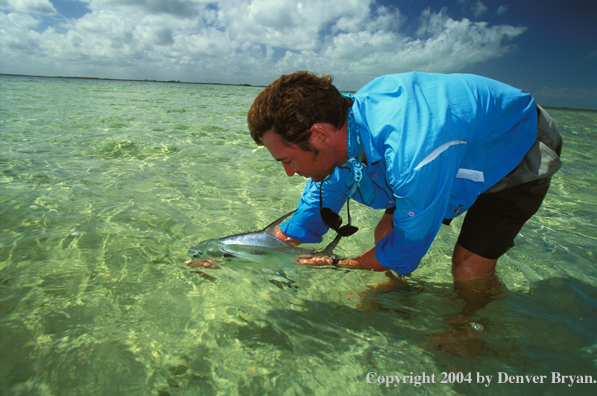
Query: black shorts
(493, 221)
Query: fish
(253, 245)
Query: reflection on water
(103, 187)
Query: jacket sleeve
(306, 225)
(421, 196)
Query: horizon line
(206, 83)
(134, 80)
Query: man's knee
(467, 265)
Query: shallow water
(105, 184)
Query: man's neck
(343, 145)
(340, 145)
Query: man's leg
(488, 230)
(467, 265)
(491, 225)
(475, 283)
(384, 227)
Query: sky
(547, 48)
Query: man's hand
(366, 261)
(314, 260)
(326, 260)
(202, 263)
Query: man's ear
(321, 135)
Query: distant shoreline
(205, 83)
(132, 80)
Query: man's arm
(365, 261)
(283, 237)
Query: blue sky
(547, 48)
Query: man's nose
(290, 170)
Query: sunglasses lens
(331, 218)
(347, 230)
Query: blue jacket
(433, 143)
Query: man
(423, 147)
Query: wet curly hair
(294, 102)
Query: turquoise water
(105, 184)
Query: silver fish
(251, 245)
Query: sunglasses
(333, 220)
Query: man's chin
(317, 179)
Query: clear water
(105, 184)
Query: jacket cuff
(288, 228)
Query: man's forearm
(366, 261)
(289, 240)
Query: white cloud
(288, 23)
(24, 21)
(479, 9)
(445, 45)
(243, 40)
(502, 10)
(180, 8)
(44, 7)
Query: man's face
(295, 160)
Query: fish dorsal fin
(274, 226)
